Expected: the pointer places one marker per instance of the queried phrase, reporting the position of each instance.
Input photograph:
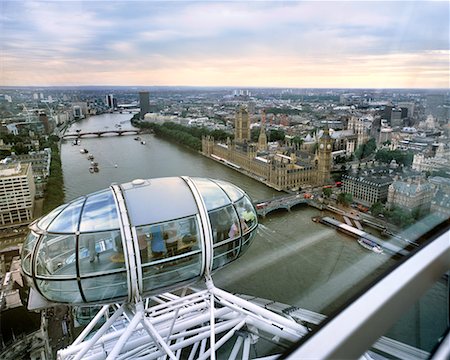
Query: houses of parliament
(284, 167)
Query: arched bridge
(101, 133)
(283, 202)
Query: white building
(17, 191)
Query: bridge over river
(102, 133)
(284, 202)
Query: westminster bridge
(263, 207)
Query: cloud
(253, 43)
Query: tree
(276, 135)
(364, 150)
(297, 140)
(327, 192)
(399, 217)
(345, 199)
(377, 209)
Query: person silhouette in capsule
(158, 245)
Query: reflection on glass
(60, 291)
(171, 272)
(224, 223)
(54, 256)
(170, 252)
(67, 220)
(167, 239)
(100, 252)
(27, 249)
(425, 323)
(43, 223)
(213, 196)
(105, 287)
(223, 254)
(246, 241)
(247, 213)
(99, 213)
(232, 191)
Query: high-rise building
(435, 106)
(77, 113)
(144, 103)
(110, 101)
(396, 117)
(242, 125)
(17, 191)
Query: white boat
(143, 142)
(83, 151)
(370, 245)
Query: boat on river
(90, 157)
(83, 151)
(370, 245)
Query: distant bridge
(101, 133)
(283, 202)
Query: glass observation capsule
(137, 239)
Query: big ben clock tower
(324, 158)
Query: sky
(287, 44)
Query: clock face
(329, 146)
(321, 146)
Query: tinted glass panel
(105, 287)
(167, 239)
(100, 252)
(27, 249)
(99, 213)
(247, 213)
(224, 223)
(232, 191)
(223, 254)
(169, 272)
(213, 196)
(60, 291)
(67, 220)
(54, 255)
(43, 223)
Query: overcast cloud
(231, 43)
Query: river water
(292, 259)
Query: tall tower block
(144, 103)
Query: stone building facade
(409, 195)
(367, 189)
(275, 169)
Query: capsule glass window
(27, 252)
(100, 252)
(170, 252)
(55, 256)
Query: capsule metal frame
(95, 249)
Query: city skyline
(352, 44)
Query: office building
(144, 103)
(410, 195)
(367, 188)
(17, 191)
(110, 101)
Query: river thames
(292, 259)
